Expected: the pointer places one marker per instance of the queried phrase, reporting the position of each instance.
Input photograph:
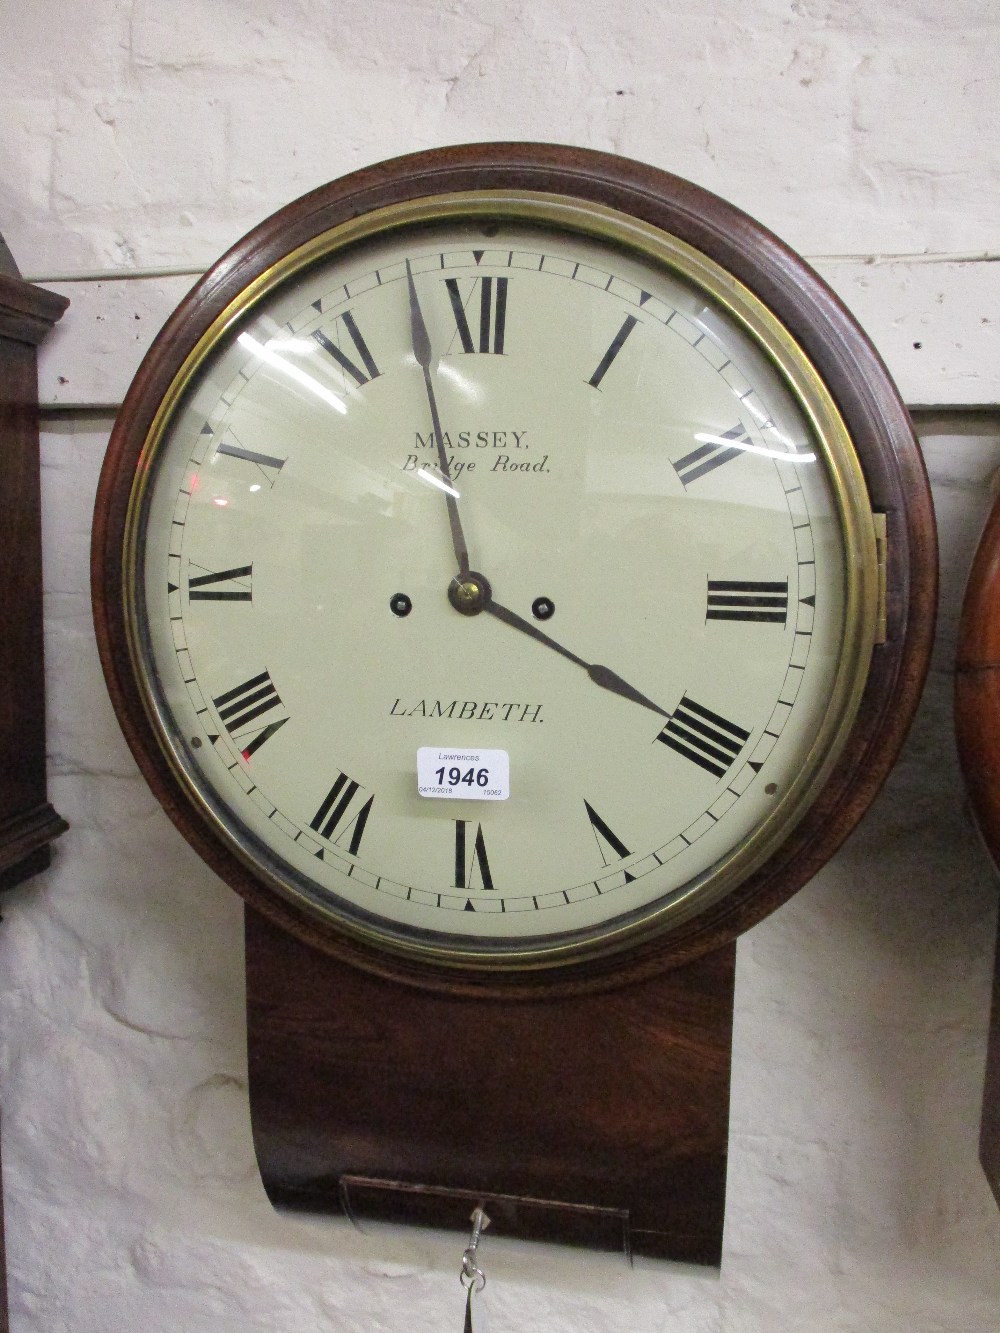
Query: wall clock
(565, 477)
(977, 721)
(28, 822)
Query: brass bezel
(566, 214)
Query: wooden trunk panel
(597, 1119)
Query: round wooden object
(977, 726)
(977, 685)
(855, 376)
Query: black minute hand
(421, 341)
(600, 675)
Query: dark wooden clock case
(596, 1119)
(977, 723)
(27, 821)
(592, 1109)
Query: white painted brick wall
(151, 134)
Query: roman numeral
(737, 599)
(228, 585)
(465, 866)
(605, 837)
(616, 346)
(240, 707)
(708, 740)
(265, 462)
(332, 814)
(492, 314)
(707, 457)
(360, 349)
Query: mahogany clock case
(586, 1104)
(977, 725)
(27, 821)
(879, 428)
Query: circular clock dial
(500, 473)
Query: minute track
(618, 682)
(605, 677)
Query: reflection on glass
(428, 474)
(728, 442)
(466, 387)
(271, 357)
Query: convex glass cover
(500, 470)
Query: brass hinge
(881, 552)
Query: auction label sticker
(463, 775)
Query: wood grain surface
(977, 725)
(27, 821)
(599, 1120)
